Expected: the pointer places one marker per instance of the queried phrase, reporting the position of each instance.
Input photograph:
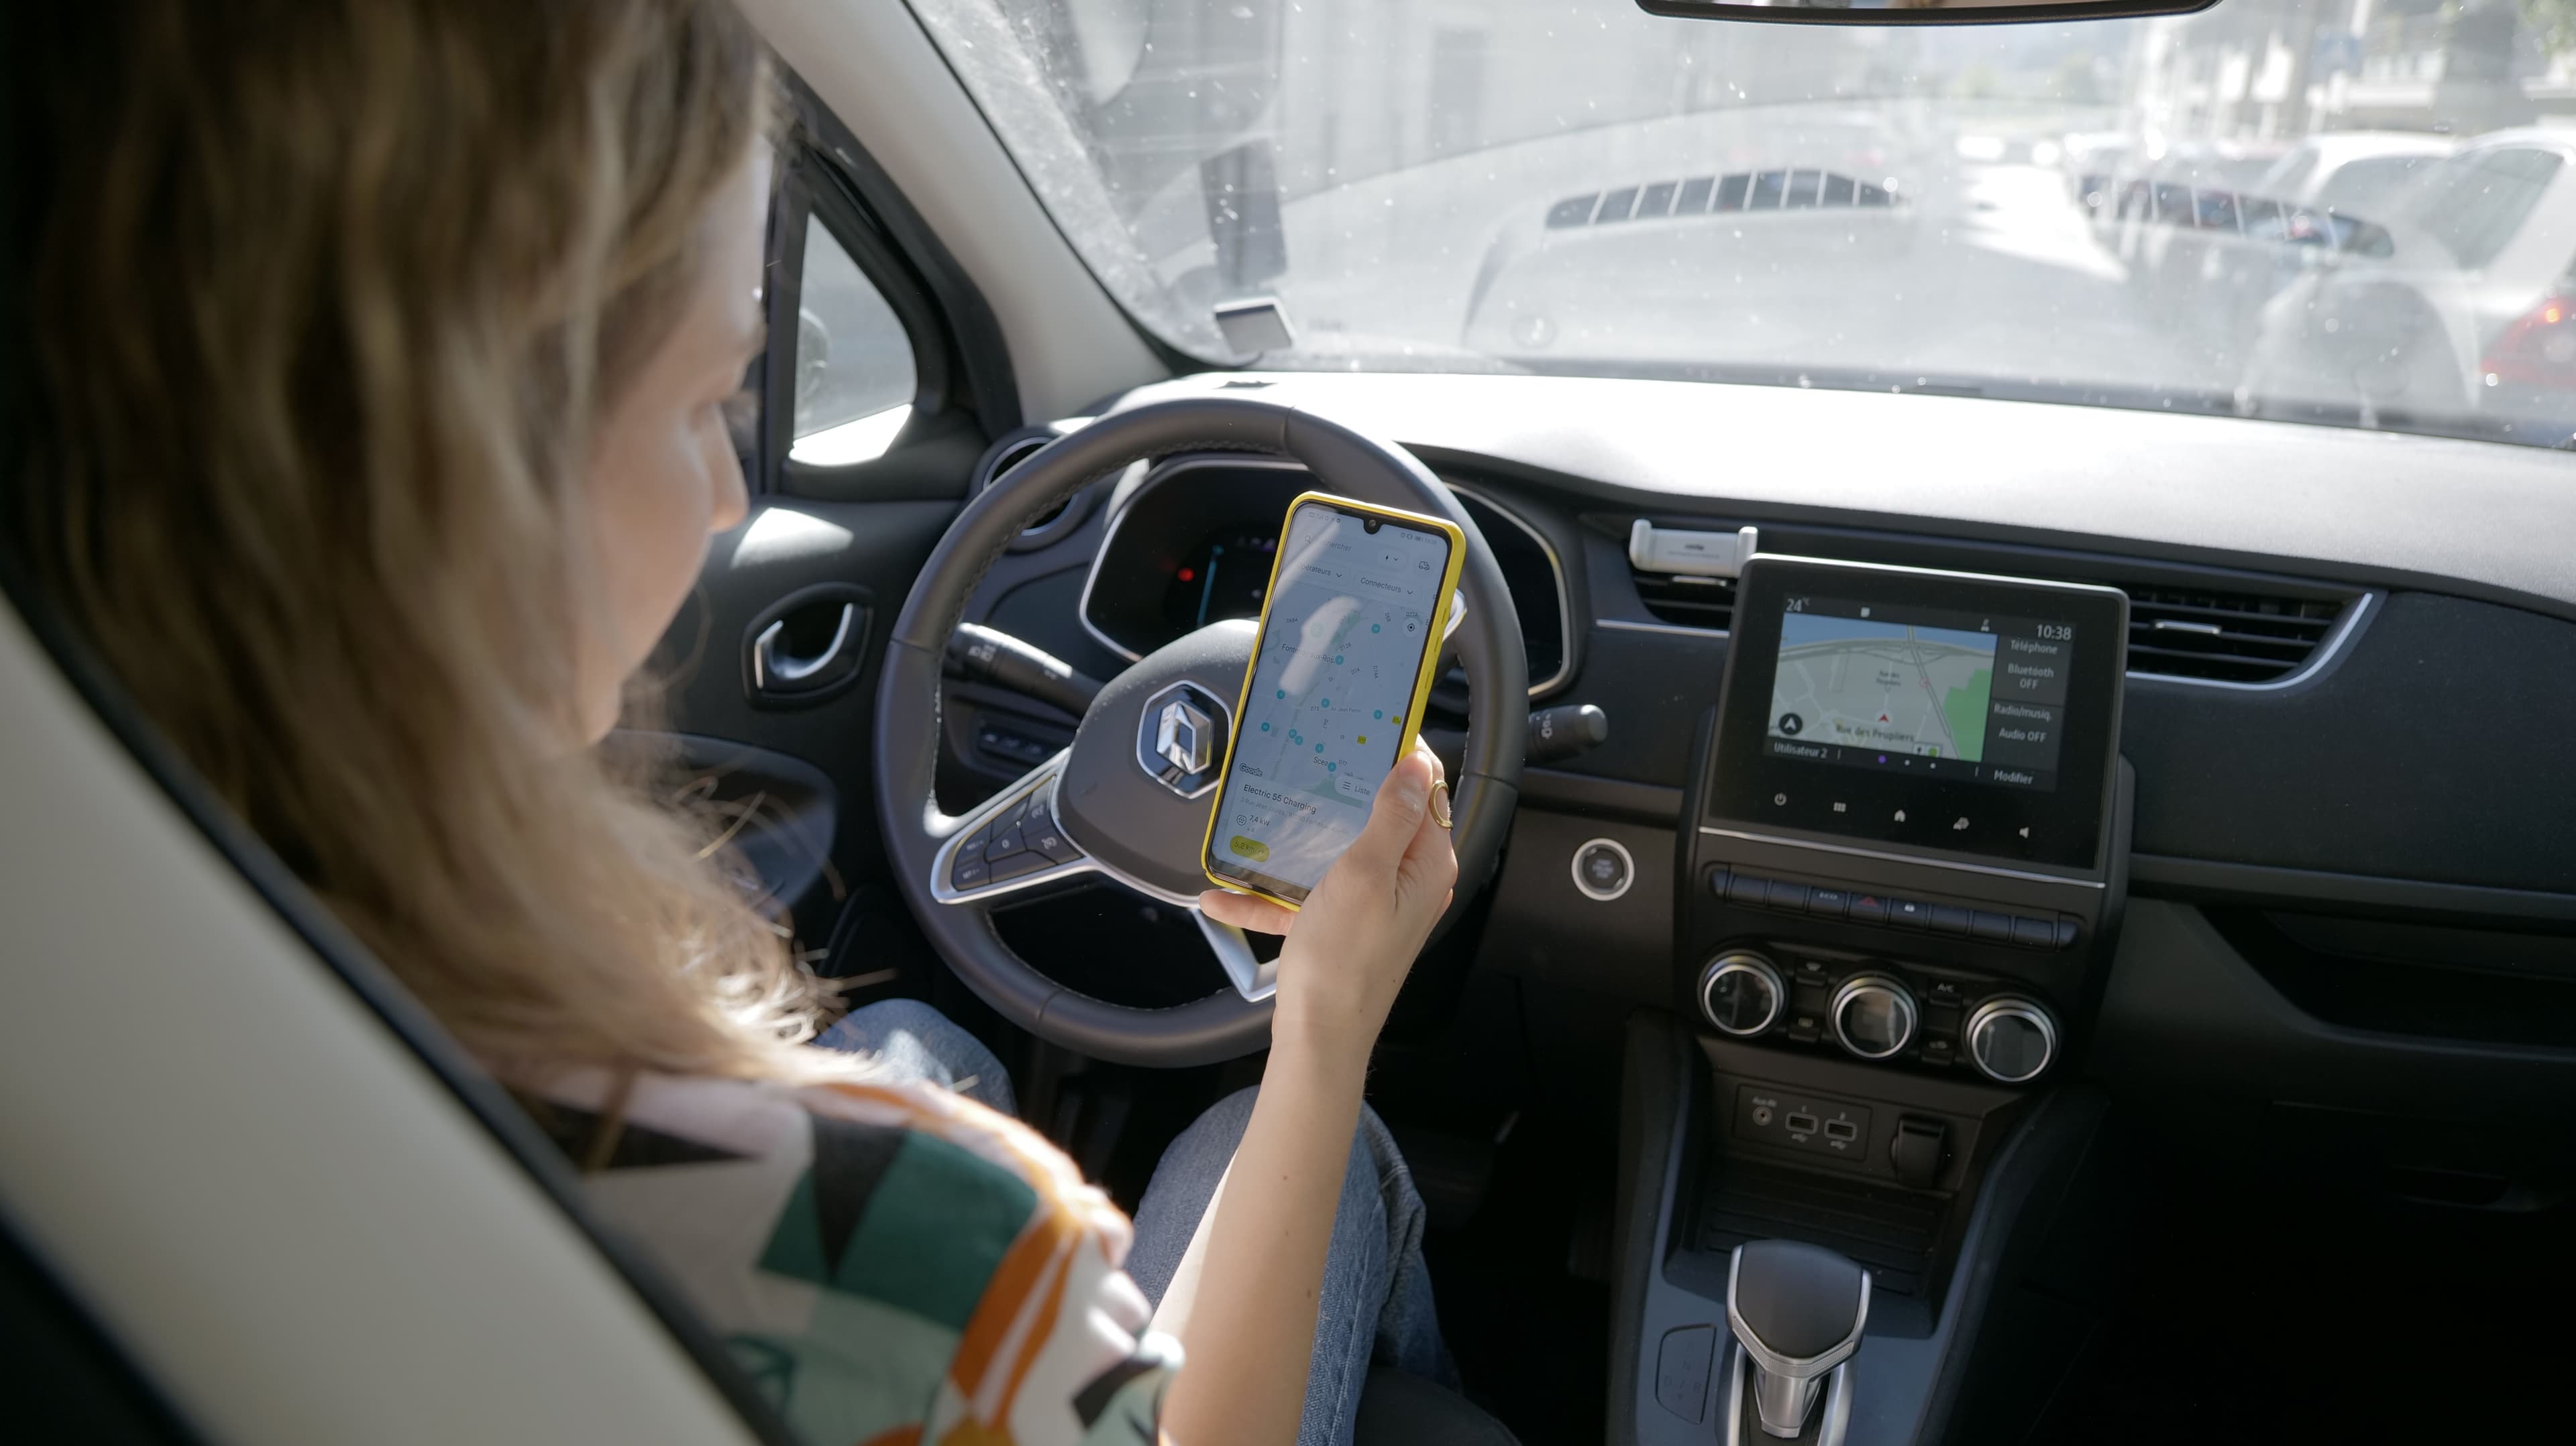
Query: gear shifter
(1797, 1312)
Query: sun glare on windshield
(2359, 212)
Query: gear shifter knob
(1797, 1312)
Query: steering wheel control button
(1012, 866)
(2011, 1040)
(1873, 1016)
(1006, 843)
(1603, 870)
(969, 873)
(1038, 828)
(1740, 992)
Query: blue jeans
(1376, 1300)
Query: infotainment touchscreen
(1960, 695)
(1946, 711)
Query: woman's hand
(1244, 1300)
(1349, 949)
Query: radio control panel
(1907, 830)
(1880, 1010)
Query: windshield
(2341, 211)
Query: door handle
(777, 671)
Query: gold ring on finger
(1440, 802)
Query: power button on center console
(1603, 870)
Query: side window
(2364, 187)
(2289, 175)
(2477, 212)
(855, 377)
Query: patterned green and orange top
(892, 1263)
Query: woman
(377, 425)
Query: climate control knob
(1874, 1016)
(1741, 993)
(2010, 1040)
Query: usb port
(1801, 1124)
(1843, 1130)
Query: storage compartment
(2481, 985)
(1892, 1231)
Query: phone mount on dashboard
(1689, 553)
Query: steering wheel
(1121, 801)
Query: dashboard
(2299, 826)
(1190, 543)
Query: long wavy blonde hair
(327, 296)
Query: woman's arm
(1243, 1301)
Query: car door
(882, 382)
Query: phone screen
(1328, 709)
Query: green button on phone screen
(1253, 849)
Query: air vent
(2200, 634)
(1690, 602)
(2227, 637)
(1012, 455)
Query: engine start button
(1603, 870)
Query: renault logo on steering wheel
(1181, 737)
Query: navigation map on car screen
(1960, 695)
(1324, 718)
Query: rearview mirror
(1917, 12)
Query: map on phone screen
(1324, 720)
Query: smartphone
(1359, 599)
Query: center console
(1899, 873)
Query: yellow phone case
(1410, 724)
